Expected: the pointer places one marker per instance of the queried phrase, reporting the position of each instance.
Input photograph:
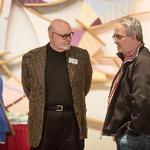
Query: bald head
(58, 25)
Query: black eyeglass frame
(65, 36)
(118, 37)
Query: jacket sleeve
(140, 87)
(1, 88)
(88, 73)
(25, 78)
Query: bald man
(56, 78)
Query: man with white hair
(56, 78)
(128, 114)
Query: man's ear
(50, 36)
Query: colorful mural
(34, 3)
(24, 26)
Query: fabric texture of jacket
(4, 126)
(33, 80)
(129, 109)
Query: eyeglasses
(118, 37)
(65, 36)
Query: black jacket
(129, 109)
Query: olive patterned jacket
(33, 81)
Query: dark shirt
(58, 90)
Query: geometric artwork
(41, 2)
(12, 92)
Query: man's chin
(67, 47)
(119, 49)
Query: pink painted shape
(78, 33)
(12, 91)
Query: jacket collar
(130, 56)
(72, 63)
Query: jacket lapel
(41, 66)
(72, 63)
(71, 60)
